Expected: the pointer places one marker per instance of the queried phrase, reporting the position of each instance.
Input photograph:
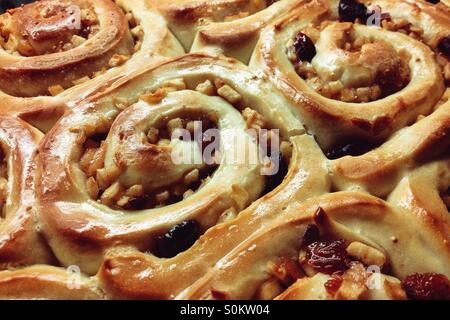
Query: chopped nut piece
(3, 189)
(77, 40)
(135, 191)
(187, 194)
(154, 97)
(192, 125)
(174, 124)
(367, 255)
(137, 46)
(269, 290)
(179, 190)
(254, 119)
(353, 283)
(123, 201)
(177, 84)
(81, 80)
(162, 197)
(218, 83)
(206, 88)
(153, 135)
(286, 270)
(92, 188)
(138, 32)
(229, 94)
(105, 177)
(120, 103)
(420, 117)
(117, 60)
(228, 215)
(111, 194)
(92, 160)
(55, 90)
(191, 177)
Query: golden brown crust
(32, 76)
(374, 120)
(83, 231)
(363, 116)
(20, 242)
(49, 283)
(129, 36)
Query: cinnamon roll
(359, 69)
(342, 245)
(163, 156)
(301, 150)
(56, 51)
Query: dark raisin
(312, 234)
(136, 203)
(333, 284)
(178, 239)
(353, 148)
(433, 1)
(328, 256)
(304, 47)
(427, 286)
(350, 10)
(444, 46)
(218, 295)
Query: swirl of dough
(404, 235)
(229, 27)
(20, 241)
(55, 52)
(112, 167)
(50, 283)
(355, 80)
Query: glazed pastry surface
(228, 149)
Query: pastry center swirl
(45, 27)
(347, 67)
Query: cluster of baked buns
(228, 149)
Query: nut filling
(343, 268)
(103, 184)
(46, 27)
(357, 84)
(59, 26)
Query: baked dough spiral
(132, 167)
(54, 52)
(229, 27)
(418, 107)
(133, 187)
(359, 80)
(20, 242)
(406, 234)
